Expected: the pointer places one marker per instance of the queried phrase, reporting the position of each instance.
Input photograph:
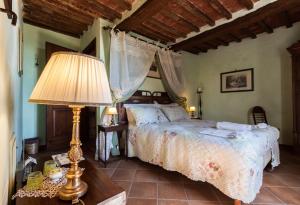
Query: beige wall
(10, 99)
(272, 79)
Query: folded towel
(218, 133)
(234, 126)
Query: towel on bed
(234, 126)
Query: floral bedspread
(233, 165)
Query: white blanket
(234, 165)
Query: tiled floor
(148, 184)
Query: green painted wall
(10, 101)
(272, 79)
(34, 47)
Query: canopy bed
(161, 133)
(234, 165)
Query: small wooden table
(119, 128)
(101, 190)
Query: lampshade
(72, 79)
(111, 111)
(192, 109)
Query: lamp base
(74, 188)
(73, 194)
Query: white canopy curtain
(130, 62)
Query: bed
(234, 165)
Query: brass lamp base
(74, 188)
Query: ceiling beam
(235, 37)
(175, 17)
(45, 25)
(248, 32)
(220, 8)
(287, 19)
(154, 29)
(190, 7)
(97, 4)
(123, 4)
(160, 31)
(266, 27)
(247, 3)
(165, 27)
(146, 11)
(222, 42)
(242, 22)
(162, 28)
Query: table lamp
(75, 80)
(111, 111)
(192, 110)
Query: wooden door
(295, 51)
(59, 118)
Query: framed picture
(237, 81)
(153, 73)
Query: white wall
(10, 97)
(272, 79)
(35, 39)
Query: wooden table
(119, 128)
(101, 189)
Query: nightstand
(119, 128)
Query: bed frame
(142, 97)
(147, 97)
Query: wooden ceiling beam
(51, 5)
(43, 24)
(242, 22)
(235, 37)
(146, 11)
(124, 4)
(248, 32)
(51, 22)
(222, 42)
(168, 28)
(220, 8)
(266, 27)
(195, 11)
(175, 17)
(34, 10)
(158, 33)
(247, 3)
(287, 19)
(105, 9)
(154, 36)
(162, 29)
(211, 46)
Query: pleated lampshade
(72, 79)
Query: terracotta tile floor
(148, 184)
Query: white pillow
(130, 117)
(175, 113)
(146, 115)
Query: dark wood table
(119, 128)
(100, 188)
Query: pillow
(146, 115)
(175, 113)
(130, 117)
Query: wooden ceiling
(168, 20)
(72, 17)
(266, 19)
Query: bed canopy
(130, 62)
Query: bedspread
(234, 165)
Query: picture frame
(153, 72)
(237, 81)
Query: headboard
(142, 97)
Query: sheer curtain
(130, 61)
(170, 68)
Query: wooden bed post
(237, 202)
